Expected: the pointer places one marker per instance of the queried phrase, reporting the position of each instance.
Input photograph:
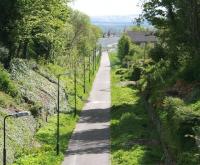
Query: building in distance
(141, 38)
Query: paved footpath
(90, 142)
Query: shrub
(136, 74)
(179, 122)
(36, 109)
(192, 71)
(157, 53)
(174, 108)
(121, 71)
(6, 84)
(187, 158)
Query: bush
(179, 122)
(157, 53)
(187, 158)
(136, 74)
(192, 71)
(121, 71)
(6, 84)
(36, 109)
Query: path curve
(90, 142)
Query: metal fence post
(75, 92)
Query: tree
(123, 46)
(45, 29)
(179, 23)
(42, 27)
(9, 13)
(33, 26)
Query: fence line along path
(90, 142)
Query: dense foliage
(40, 39)
(169, 76)
(179, 31)
(41, 29)
(133, 139)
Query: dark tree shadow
(95, 116)
(93, 141)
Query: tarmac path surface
(90, 142)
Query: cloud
(107, 7)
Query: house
(140, 38)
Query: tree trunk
(19, 49)
(25, 49)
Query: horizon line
(114, 15)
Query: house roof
(142, 37)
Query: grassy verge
(44, 151)
(134, 141)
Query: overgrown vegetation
(134, 141)
(167, 75)
(6, 84)
(46, 136)
(38, 41)
(43, 152)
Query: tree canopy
(44, 29)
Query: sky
(107, 7)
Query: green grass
(6, 100)
(68, 83)
(44, 152)
(6, 84)
(134, 140)
(114, 60)
(46, 136)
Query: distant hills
(114, 19)
(115, 24)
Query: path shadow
(93, 141)
(95, 116)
